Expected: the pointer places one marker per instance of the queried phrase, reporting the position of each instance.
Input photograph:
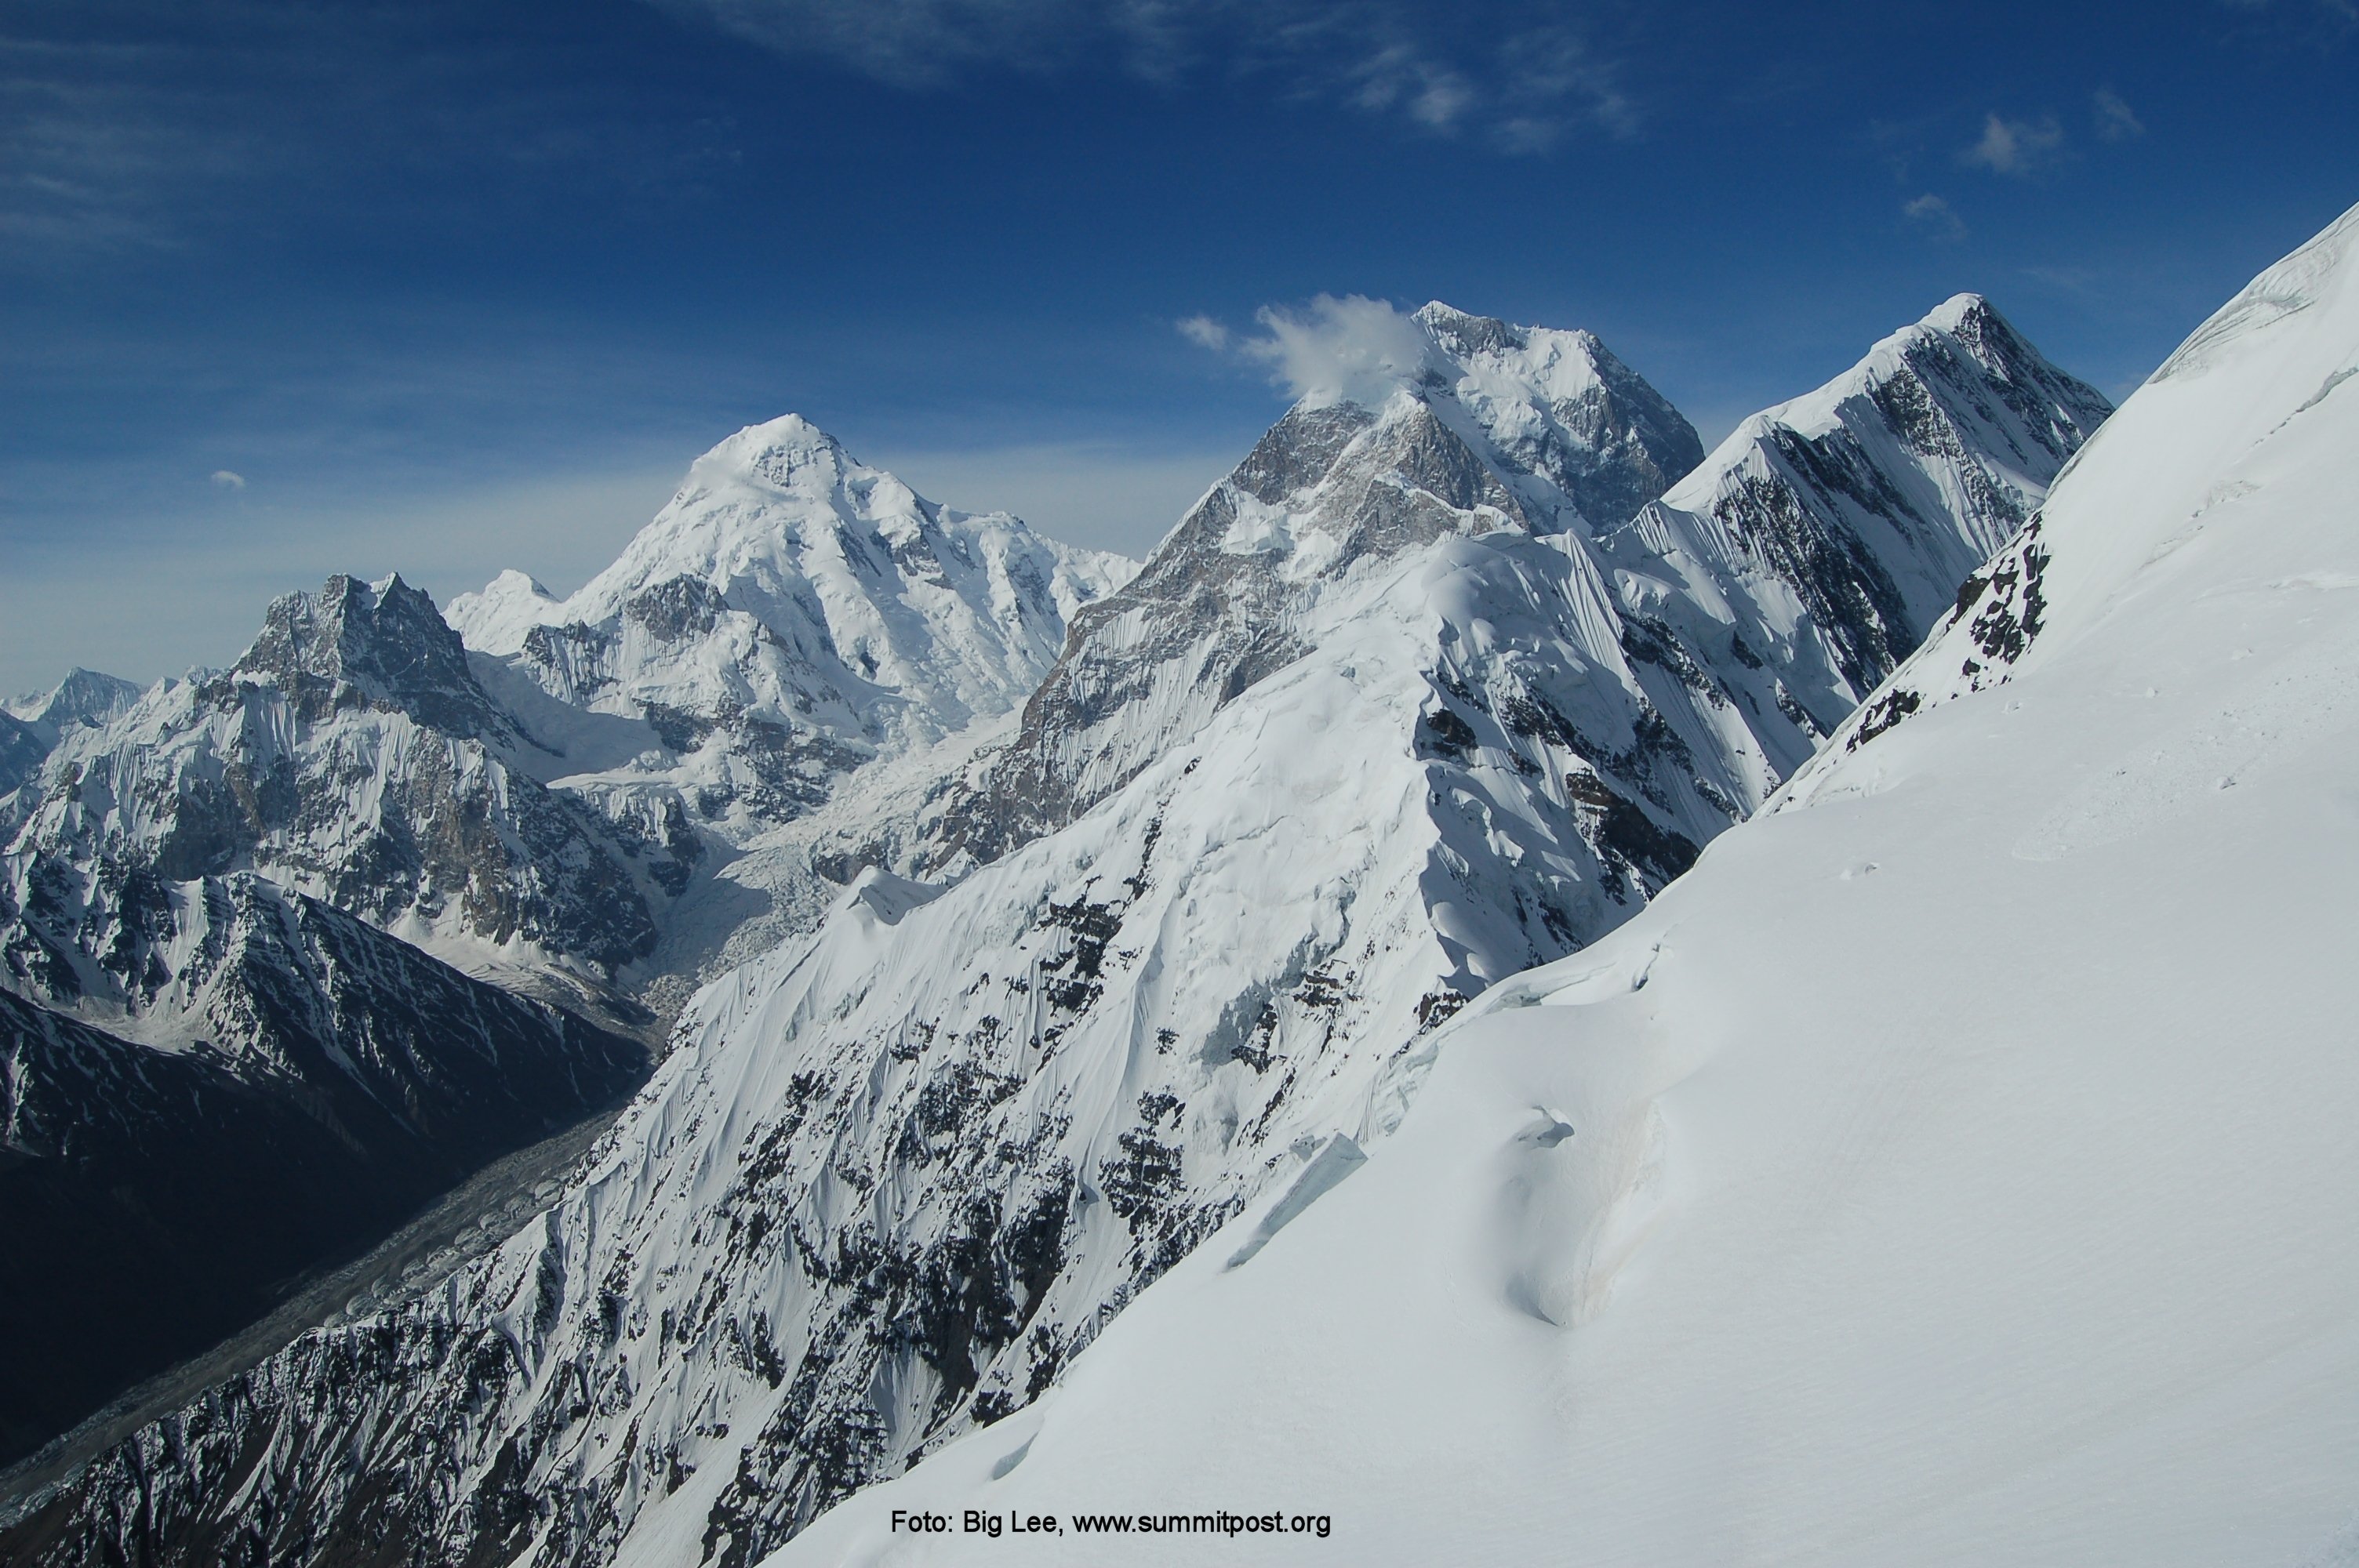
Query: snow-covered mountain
(1398, 710)
(1954, 1168)
(350, 754)
(1792, 569)
(323, 1081)
(791, 615)
(31, 725)
(85, 697)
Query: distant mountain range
(1050, 913)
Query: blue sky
(444, 285)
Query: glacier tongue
(1402, 708)
(1955, 1168)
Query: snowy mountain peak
(1871, 498)
(1408, 703)
(382, 644)
(84, 697)
(791, 615)
(1505, 429)
(785, 453)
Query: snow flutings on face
(1351, 350)
(2016, 146)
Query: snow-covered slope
(791, 615)
(1955, 1168)
(900, 1175)
(85, 698)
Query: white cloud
(2115, 121)
(1353, 349)
(225, 480)
(1204, 331)
(1414, 58)
(2016, 146)
(1935, 214)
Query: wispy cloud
(1935, 215)
(1416, 61)
(1351, 349)
(2016, 146)
(2115, 120)
(228, 479)
(1204, 331)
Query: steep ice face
(1388, 718)
(1894, 1188)
(793, 613)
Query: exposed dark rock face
(1912, 472)
(157, 1199)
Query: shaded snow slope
(326, 1081)
(899, 1173)
(1955, 1167)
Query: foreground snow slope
(1955, 1167)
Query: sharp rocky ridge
(1430, 690)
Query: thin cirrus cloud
(1935, 215)
(1521, 90)
(2117, 121)
(228, 479)
(2016, 147)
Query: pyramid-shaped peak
(1958, 310)
(1462, 332)
(786, 454)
